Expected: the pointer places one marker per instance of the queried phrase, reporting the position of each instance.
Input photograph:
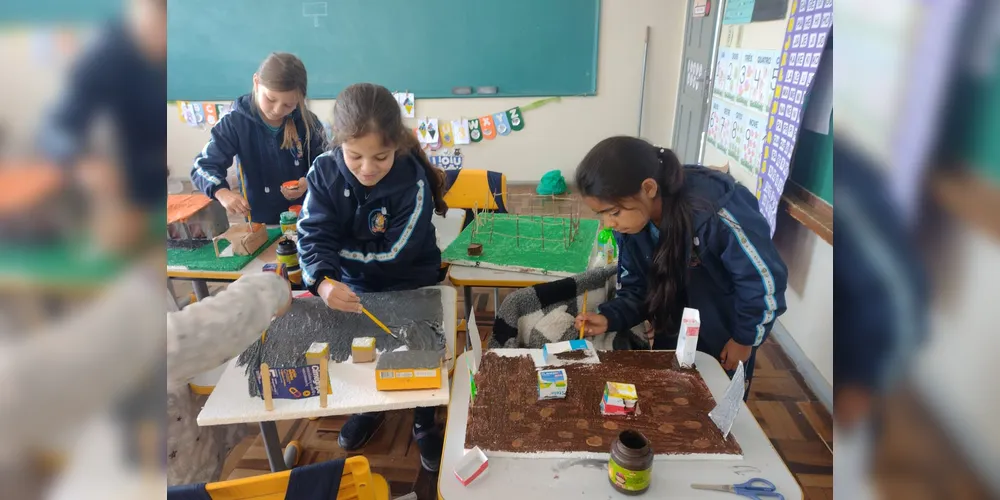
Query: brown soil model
(571, 355)
(673, 403)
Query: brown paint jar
(631, 464)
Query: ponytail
(668, 271)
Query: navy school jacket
(265, 165)
(736, 279)
(372, 239)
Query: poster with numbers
(809, 25)
(737, 132)
(746, 77)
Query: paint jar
(287, 221)
(288, 255)
(631, 464)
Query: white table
(527, 478)
(448, 228)
(353, 388)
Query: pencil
(371, 316)
(583, 324)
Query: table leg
(200, 289)
(496, 302)
(272, 447)
(470, 315)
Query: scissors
(756, 488)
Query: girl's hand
(733, 353)
(234, 203)
(596, 324)
(339, 296)
(294, 194)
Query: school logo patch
(378, 220)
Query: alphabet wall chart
(809, 26)
(741, 95)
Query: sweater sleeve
(758, 274)
(319, 230)
(626, 309)
(209, 171)
(209, 333)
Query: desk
(582, 479)
(448, 228)
(353, 392)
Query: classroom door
(700, 33)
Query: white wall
(557, 135)
(809, 318)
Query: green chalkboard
(812, 167)
(523, 47)
(59, 11)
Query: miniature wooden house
(194, 219)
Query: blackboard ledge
(809, 210)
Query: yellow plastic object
(472, 190)
(357, 483)
(407, 379)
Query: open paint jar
(631, 464)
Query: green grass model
(560, 246)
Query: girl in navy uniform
(275, 137)
(688, 236)
(366, 226)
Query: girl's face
(629, 215)
(274, 105)
(368, 158)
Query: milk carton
(551, 384)
(687, 338)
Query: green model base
(204, 259)
(525, 254)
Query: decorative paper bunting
(489, 130)
(502, 125)
(460, 129)
(515, 118)
(447, 138)
(211, 114)
(474, 132)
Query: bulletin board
(522, 47)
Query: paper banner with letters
(808, 28)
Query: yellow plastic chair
(472, 189)
(357, 483)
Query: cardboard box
(619, 399)
(687, 338)
(408, 370)
(552, 384)
(471, 466)
(363, 350)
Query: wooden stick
(265, 386)
(376, 321)
(319, 352)
(583, 324)
(542, 222)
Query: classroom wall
(809, 318)
(556, 136)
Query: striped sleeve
(759, 275)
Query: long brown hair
(283, 72)
(366, 108)
(613, 171)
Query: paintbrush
(371, 316)
(583, 324)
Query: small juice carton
(471, 466)
(687, 338)
(619, 399)
(363, 350)
(551, 384)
